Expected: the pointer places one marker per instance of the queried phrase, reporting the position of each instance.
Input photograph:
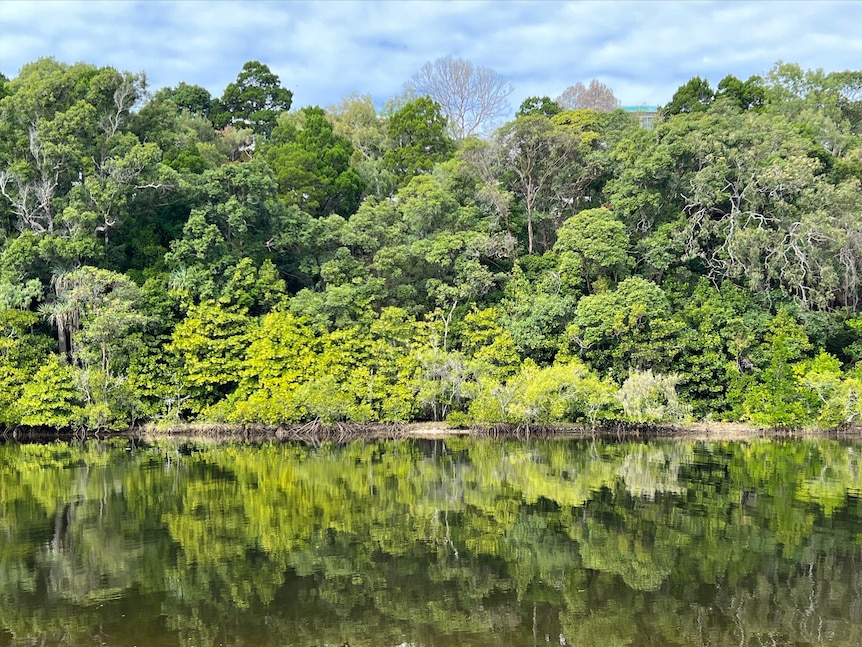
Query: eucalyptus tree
(533, 154)
(66, 123)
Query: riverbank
(343, 432)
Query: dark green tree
(542, 105)
(193, 98)
(417, 139)
(747, 95)
(254, 100)
(312, 165)
(693, 96)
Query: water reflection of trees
(454, 542)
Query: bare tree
(597, 96)
(470, 96)
(129, 91)
(31, 200)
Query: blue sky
(326, 50)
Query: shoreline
(344, 432)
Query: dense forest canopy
(171, 256)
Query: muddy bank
(706, 431)
(341, 433)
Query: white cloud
(324, 50)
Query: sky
(325, 50)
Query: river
(448, 542)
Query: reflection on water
(441, 543)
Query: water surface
(442, 543)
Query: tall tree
(254, 100)
(471, 96)
(694, 95)
(417, 139)
(312, 165)
(542, 105)
(193, 98)
(532, 153)
(596, 96)
(747, 95)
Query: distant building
(645, 114)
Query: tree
(312, 165)
(625, 328)
(193, 98)
(748, 95)
(597, 241)
(50, 397)
(775, 396)
(22, 353)
(239, 215)
(356, 118)
(471, 96)
(533, 152)
(66, 125)
(254, 100)
(416, 139)
(209, 345)
(542, 105)
(97, 310)
(693, 96)
(651, 398)
(536, 311)
(597, 96)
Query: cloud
(324, 50)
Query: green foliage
(567, 392)
(209, 345)
(722, 330)
(539, 163)
(417, 139)
(693, 96)
(50, 398)
(254, 100)
(594, 240)
(312, 165)
(625, 327)
(193, 98)
(98, 310)
(746, 95)
(168, 239)
(22, 353)
(537, 312)
(239, 217)
(649, 397)
(774, 396)
(540, 105)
